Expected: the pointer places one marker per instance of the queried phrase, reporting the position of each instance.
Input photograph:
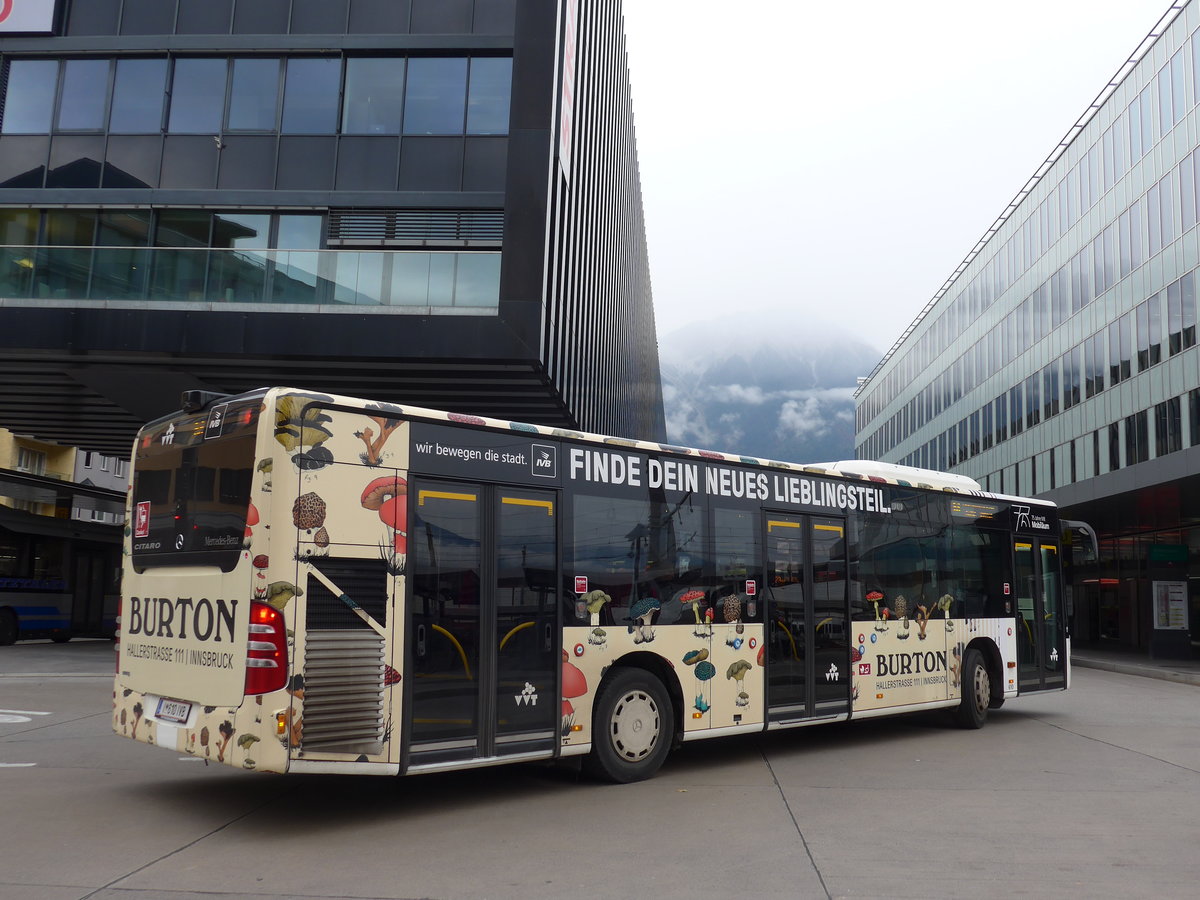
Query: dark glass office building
(432, 202)
(1060, 359)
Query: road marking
(16, 765)
(25, 712)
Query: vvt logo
(544, 460)
(168, 436)
(1054, 655)
(833, 674)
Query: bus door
(808, 650)
(1041, 635)
(482, 669)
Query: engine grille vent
(343, 691)
(350, 228)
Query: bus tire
(976, 691)
(632, 727)
(61, 636)
(8, 627)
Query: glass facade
(1070, 334)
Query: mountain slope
(774, 387)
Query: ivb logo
(544, 460)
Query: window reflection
(310, 96)
(436, 95)
(29, 99)
(197, 96)
(255, 94)
(374, 96)
(138, 96)
(84, 95)
(491, 88)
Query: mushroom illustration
(280, 592)
(252, 519)
(124, 720)
(204, 741)
(373, 455)
(294, 718)
(308, 514)
(875, 598)
(737, 672)
(227, 731)
(731, 608)
(594, 602)
(704, 671)
(297, 425)
(641, 619)
(388, 495)
(695, 604)
(574, 684)
(944, 603)
(598, 637)
(245, 742)
(260, 563)
(692, 657)
(956, 665)
(901, 606)
(922, 618)
(137, 717)
(265, 466)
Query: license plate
(173, 710)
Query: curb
(1121, 668)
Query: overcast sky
(839, 159)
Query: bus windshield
(191, 487)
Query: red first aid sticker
(751, 588)
(141, 520)
(581, 584)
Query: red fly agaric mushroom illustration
(574, 684)
(388, 495)
(251, 520)
(260, 576)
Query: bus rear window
(191, 488)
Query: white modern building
(1060, 357)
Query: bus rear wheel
(8, 627)
(976, 691)
(632, 727)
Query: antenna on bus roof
(194, 401)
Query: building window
(84, 95)
(197, 96)
(254, 95)
(1149, 333)
(1194, 417)
(1168, 436)
(1074, 471)
(138, 93)
(1114, 447)
(104, 463)
(1181, 314)
(32, 462)
(87, 459)
(1137, 438)
(29, 99)
(311, 90)
(1017, 410)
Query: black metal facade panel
(88, 372)
(600, 339)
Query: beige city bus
(315, 583)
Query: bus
(320, 584)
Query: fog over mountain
(776, 386)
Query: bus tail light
(266, 650)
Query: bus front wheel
(8, 627)
(632, 727)
(976, 691)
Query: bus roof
(857, 470)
